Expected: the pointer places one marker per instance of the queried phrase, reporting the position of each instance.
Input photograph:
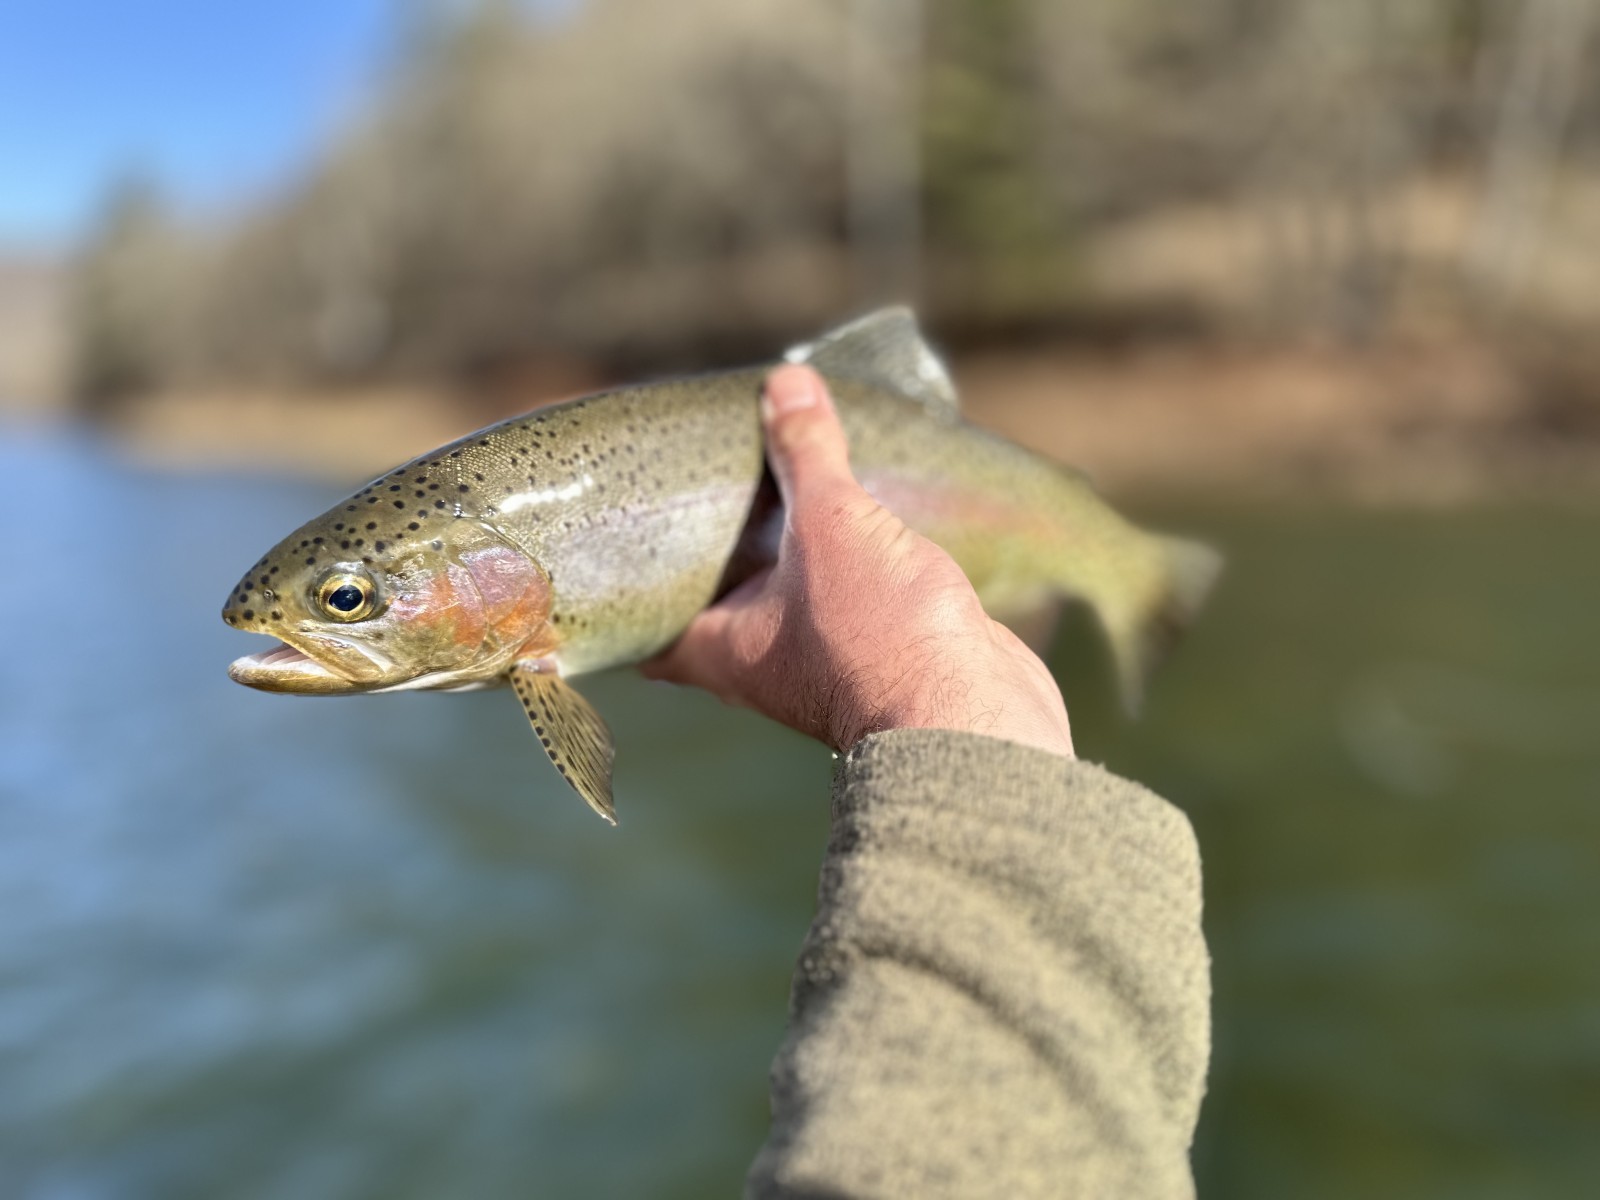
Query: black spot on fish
(399, 503)
(345, 545)
(249, 615)
(276, 615)
(378, 546)
(394, 487)
(372, 524)
(413, 525)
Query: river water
(263, 946)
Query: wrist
(1028, 711)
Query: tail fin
(1142, 632)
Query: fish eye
(345, 595)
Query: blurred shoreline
(1429, 421)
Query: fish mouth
(286, 669)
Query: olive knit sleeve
(1005, 991)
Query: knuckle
(835, 522)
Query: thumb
(805, 442)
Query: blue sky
(217, 99)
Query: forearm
(1005, 990)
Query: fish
(588, 534)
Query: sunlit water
(261, 946)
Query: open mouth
(285, 669)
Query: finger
(805, 442)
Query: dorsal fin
(886, 349)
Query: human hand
(862, 625)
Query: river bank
(1423, 421)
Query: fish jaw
(337, 667)
(290, 671)
(285, 669)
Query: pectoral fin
(572, 733)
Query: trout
(588, 534)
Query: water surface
(265, 946)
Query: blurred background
(1315, 279)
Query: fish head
(362, 601)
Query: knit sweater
(1005, 991)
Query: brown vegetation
(1404, 189)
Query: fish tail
(1144, 622)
